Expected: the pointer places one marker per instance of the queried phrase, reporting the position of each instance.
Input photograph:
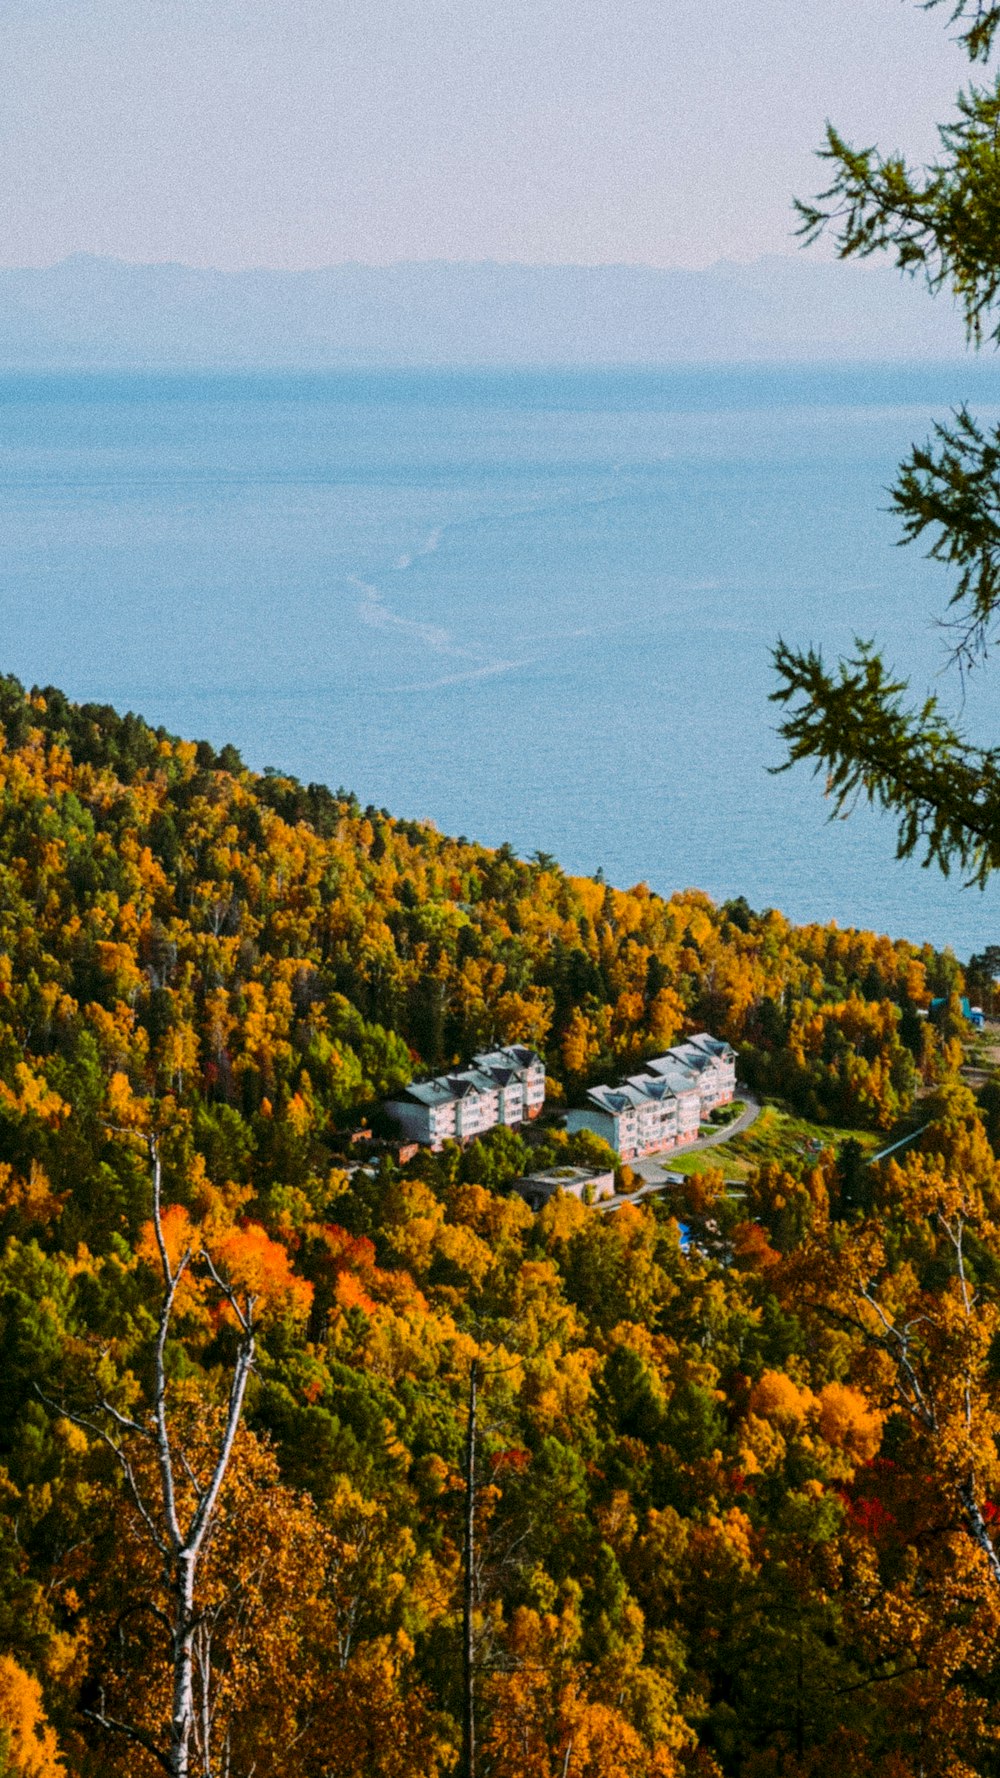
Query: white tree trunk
(182, 1715)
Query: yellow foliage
(777, 1398)
(30, 1200)
(578, 1044)
(27, 1744)
(846, 1420)
(124, 1109)
(31, 1096)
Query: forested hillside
(478, 1491)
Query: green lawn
(776, 1135)
(722, 1156)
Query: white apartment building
(711, 1060)
(518, 1065)
(503, 1086)
(680, 1086)
(661, 1109)
(646, 1114)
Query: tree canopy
(704, 1532)
(856, 722)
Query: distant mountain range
(89, 312)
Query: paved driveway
(653, 1170)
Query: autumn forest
(320, 1463)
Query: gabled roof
(512, 1055)
(682, 1077)
(715, 1046)
(522, 1053)
(447, 1088)
(690, 1056)
(615, 1099)
(472, 1080)
(504, 1077)
(431, 1092)
(652, 1086)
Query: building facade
(503, 1086)
(519, 1066)
(662, 1108)
(710, 1060)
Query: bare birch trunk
(178, 1545)
(182, 1715)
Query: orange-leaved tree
(551, 1716)
(916, 1285)
(27, 1744)
(257, 1600)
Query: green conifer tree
(856, 722)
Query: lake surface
(529, 606)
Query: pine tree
(855, 722)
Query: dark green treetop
(855, 722)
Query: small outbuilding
(585, 1183)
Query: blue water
(535, 607)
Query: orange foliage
(27, 1744)
(255, 1266)
(776, 1397)
(847, 1420)
(179, 1233)
(258, 1267)
(547, 1716)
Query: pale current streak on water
(531, 606)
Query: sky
(293, 133)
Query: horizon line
(84, 256)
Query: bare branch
(199, 1491)
(245, 1318)
(207, 1504)
(115, 1726)
(914, 1394)
(100, 1432)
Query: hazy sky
(303, 132)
